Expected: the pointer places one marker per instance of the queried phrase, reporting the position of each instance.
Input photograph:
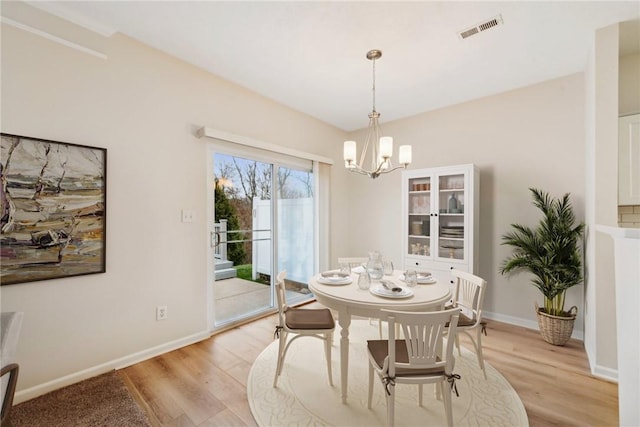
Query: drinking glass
(387, 267)
(374, 266)
(411, 278)
(364, 281)
(345, 268)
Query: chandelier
(381, 146)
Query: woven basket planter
(556, 330)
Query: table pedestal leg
(344, 320)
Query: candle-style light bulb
(349, 152)
(386, 147)
(404, 154)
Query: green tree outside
(225, 210)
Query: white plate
(335, 282)
(429, 280)
(381, 291)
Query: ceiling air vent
(483, 26)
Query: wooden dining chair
(416, 359)
(300, 322)
(468, 296)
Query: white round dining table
(349, 300)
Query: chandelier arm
(359, 170)
(393, 169)
(376, 132)
(365, 148)
(374, 173)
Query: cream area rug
(305, 398)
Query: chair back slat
(422, 341)
(423, 334)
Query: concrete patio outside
(236, 298)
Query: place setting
(335, 277)
(388, 289)
(375, 282)
(420, 277)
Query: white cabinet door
(629, 160)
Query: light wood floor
(204, 384)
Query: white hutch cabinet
(440, 220)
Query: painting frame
(53, 209)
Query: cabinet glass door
(420, 208)
(451, 220)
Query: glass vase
(375, 266)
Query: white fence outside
(295, 238)
(220, 248)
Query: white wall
(143, 106)
(530, 137)
(602, 190)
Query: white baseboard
(599, 371)
(525, 323)
(605, 373)
(122, 362)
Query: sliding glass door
(296, 230)
(263, 222)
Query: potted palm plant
(551, 252)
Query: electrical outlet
(161, 312)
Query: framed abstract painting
(53, 209)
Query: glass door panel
(451, 216)
(420, 210)
(243, 238)
(296, 231)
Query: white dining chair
(352, 262)
(468, 296)
(415, 359)
(300, 322)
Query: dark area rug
(99, 401)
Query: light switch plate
(187, 215)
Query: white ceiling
(311, 55)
